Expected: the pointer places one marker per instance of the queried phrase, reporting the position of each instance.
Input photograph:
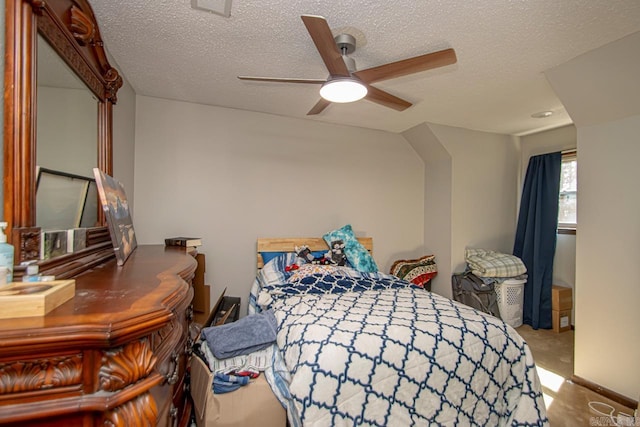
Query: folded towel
(257, 361)
(249, 334)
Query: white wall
(232, 176)
(485, 167)
(550, 141)
(437, 203)
(479, 170)
(608, 250)
(600, 86)
(124, 139)
(602, 95)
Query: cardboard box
(561, 320)
(561, 298)
(251, 405)
(201, 292)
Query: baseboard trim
(609, 394)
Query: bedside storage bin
(561, 298)
(561, 320)
(510, 295)
(250, 405)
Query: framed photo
(116, 210)
(53, 243)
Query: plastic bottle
(31, 274)
(3, 276)
(6, 253)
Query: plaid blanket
(485, 263)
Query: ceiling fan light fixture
(343, 90)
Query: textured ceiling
(166, 49)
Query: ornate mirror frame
(70, 27)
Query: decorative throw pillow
(417, 271)
(357, 255)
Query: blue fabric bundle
(223, 383)
(249, 334)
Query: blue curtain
(535, 241)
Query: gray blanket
(249, 334)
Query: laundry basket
(510, 295)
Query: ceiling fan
(343, 75)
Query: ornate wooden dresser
(114, 355)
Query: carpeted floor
(567, 403)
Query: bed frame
(288, 244)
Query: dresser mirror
(59, 95)
(66, 154)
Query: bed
(367, 348)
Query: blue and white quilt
(371, 349)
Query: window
(567, 212)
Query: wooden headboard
(288, 244)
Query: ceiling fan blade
(321, 35)
(384, 98)
(408, 66)
(282, 79)
(319, 107)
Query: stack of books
(184, 242)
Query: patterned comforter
(371, 349)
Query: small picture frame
(116, 211)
